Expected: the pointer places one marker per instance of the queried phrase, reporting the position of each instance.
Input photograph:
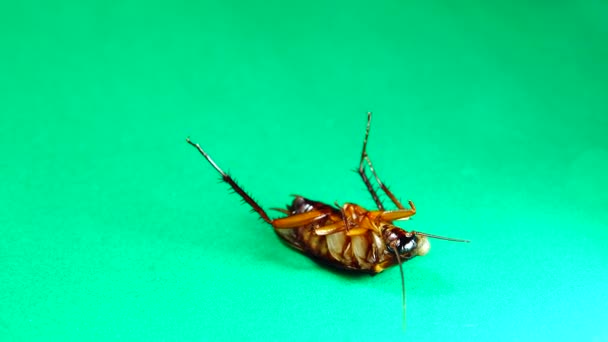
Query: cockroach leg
(382, 186)
(357, 231)
(365, 157)
(361, 169)
(344, 217)
(393, 215)
(330, 229)
(226, 178)
(401, 214)
(298, 220)
(281, 210)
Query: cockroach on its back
(349, 237)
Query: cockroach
(347, 237)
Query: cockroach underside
(346, 236)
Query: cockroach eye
(402, 242)
(407, 244)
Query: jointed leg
(400, 214)
(365, 156)
(226, 178)
(361, 170)
(382, 186)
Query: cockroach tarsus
(347, 237)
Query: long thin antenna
(441, 237)
(402, 285)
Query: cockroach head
(408, 245)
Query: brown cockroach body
(348, 237)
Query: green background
(492, 117)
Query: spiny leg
(226, 178)
(361, 170)
(382, 186)
(365, 156)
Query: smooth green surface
(492, 117)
